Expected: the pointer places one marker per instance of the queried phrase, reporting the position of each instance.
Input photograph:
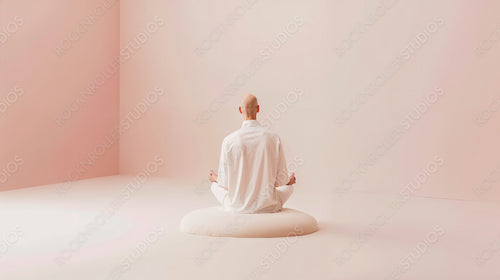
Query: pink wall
(57, 107)
(369, 97)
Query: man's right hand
(292, 179)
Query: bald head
(249, 106)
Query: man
(253, 176)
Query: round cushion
(214, 221)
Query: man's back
(252, 163)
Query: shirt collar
(249, 123)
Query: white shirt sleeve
(223, 167)
(282, 171)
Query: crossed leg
(284, 192)
(219, 193)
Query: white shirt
(252, 163)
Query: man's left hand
(212, 176)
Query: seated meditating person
(253, 175)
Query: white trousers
(284, 192)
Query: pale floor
(360, 236)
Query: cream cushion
(214, 221)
